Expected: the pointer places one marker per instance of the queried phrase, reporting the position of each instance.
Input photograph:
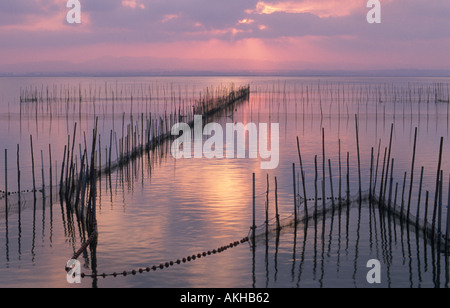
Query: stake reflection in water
(144, 192)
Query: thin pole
(420, 197)
(323, 181)
(376, 169)
(6, 176)
(340, 175)
(110, 148)
(303, 178)
(276, 204)
(371, 174)
(382, 179)
(447, 233)
(412, 172)
(267, 204)
(66, 183)
(42, 171)
(81, 176)
(425, 222)
(359, 158)
(403, 197)
(331, 183)
(100, 153)
(254, 207)
(437, 186)
(18, 174)
(395, 197)
(32, 165)
(295, 192)
(51, 171)
(315, 188)
(62, 171)
(71, 159)
(388, 159)
(391, 184)
(348, 178)
(439, 226)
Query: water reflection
(156, 208)
(312, 258)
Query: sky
(223, 36)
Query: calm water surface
(159, 209)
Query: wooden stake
(295, 193)
(359, 158)
(323, 165)
(447, 233)
(439, 223)
(403, 197)
(381, 201)
(32, 166)
(254, 208)
(340, 175)
(6, 177)
(42, 171)
(348, 178)
(437, 187)
(412, 173)
(276, 205)
(395, 197)
(388, 159)
(376, 169)
(371, 174)
(18, 174)
(110, 148)
(425, 223)
(303, 178)
(419, 199)
(51, 173)
(267, 204)
(62, 170)
(315, 188)
(390, 185)
(331, 184)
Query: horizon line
(207, 73)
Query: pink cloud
(53, 22)
(133, 4)
(255, 35)
(323, 8)
(169, 17)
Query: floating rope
(167, 264)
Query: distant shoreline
(309, 73)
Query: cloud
(246, 21)
(324, 8)
(305, 32)
(133, 4)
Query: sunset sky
(223, 36)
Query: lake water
(159, 209)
